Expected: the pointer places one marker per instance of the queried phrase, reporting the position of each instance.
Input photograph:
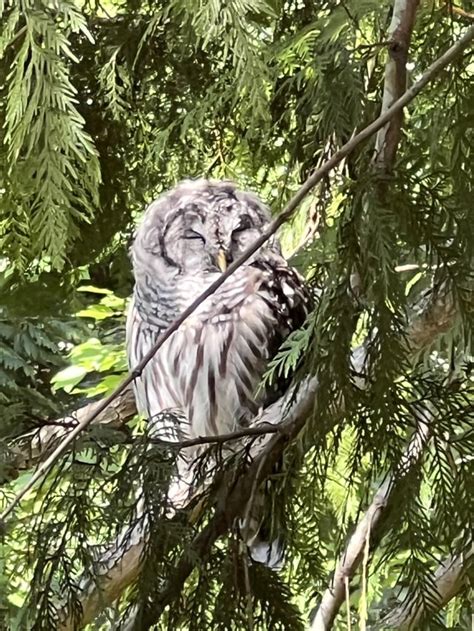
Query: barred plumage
(208, 371)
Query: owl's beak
(221, 260)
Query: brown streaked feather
(224, 357)
(211, 383)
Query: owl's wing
(153, 400)
(210, 368)
(288, 298)
(206, 375)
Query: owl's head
(202, 226)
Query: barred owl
(208, 371)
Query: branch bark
(28, 450)
(370, 527)
(398, 36)
(449, 579)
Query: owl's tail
(263, 546)
(270, 553)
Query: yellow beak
(221, 260)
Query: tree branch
(27, 450)
(449, 579)
(398, 36)
(370, 526)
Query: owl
(206, 375)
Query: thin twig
(284, 216)
(258, 430)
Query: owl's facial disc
(207, 231)
(229, 234)
(213, 239)
(198, 240)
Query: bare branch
(399, 36)
(369, 526)
(27, 450)
(449, 579)
(255, 430)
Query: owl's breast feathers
(210, 368)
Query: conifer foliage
(106, 103)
